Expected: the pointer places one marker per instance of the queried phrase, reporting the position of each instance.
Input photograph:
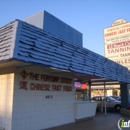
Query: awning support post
(89, 84)
(105, 100)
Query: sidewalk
(99, 122)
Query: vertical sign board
(117, 42)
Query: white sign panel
(117, 43)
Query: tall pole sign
(117, 42)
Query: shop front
(45, 80)
(47, 98)
(36, 97)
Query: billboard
(117, 42)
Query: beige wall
(30, 109)
(6, 100)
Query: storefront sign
(117, 42)
(46, 82)
(77, 84)
(84, 86)
(80, 85)
(42, 77)
(119, 21)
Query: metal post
(102, 107)
(105, 100)
(89, 84)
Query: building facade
(38, 71)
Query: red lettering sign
(67, 88)
(56, 87)
(34, 76)
(42, 87)
(24, 74)
(45, 86)
(23, 85)
(49, 78)
(66, 80)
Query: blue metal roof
(7, 37)
(31, 44)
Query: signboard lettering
(44, 83)
(117, 42)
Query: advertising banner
(117, 42)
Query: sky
(90, 17)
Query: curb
(125, 112)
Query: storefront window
(83, 92)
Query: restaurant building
(46, 74)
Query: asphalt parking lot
(99, 122)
